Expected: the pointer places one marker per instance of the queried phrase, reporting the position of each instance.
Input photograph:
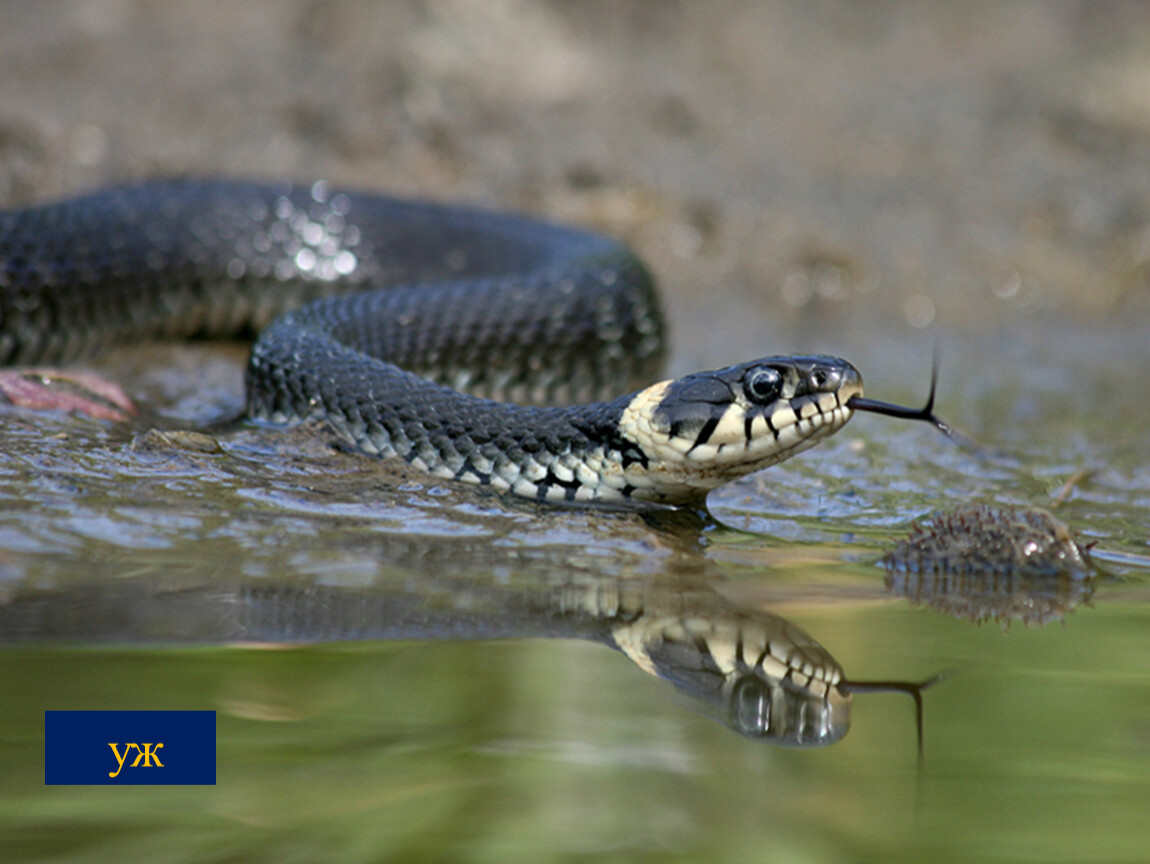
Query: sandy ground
(798, 173)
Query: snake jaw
(709, 428)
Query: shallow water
(423, 706)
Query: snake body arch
(400, 322)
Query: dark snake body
(492, 304)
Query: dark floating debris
(992, 563)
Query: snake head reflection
(763, 676)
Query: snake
(477, 345)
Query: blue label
(129, 748)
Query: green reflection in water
(1036, 750)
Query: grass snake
(400, 323)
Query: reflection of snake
(755, 671)
(494, 304)
(752, 670)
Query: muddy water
(814, 178)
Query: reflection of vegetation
(984, 563)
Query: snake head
(698, 407)
(708, 428)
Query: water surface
(478, 728)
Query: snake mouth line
(787, 432)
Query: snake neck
(573, 453)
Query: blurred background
(889, 165)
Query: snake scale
(400, 323)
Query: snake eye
(763, 385)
